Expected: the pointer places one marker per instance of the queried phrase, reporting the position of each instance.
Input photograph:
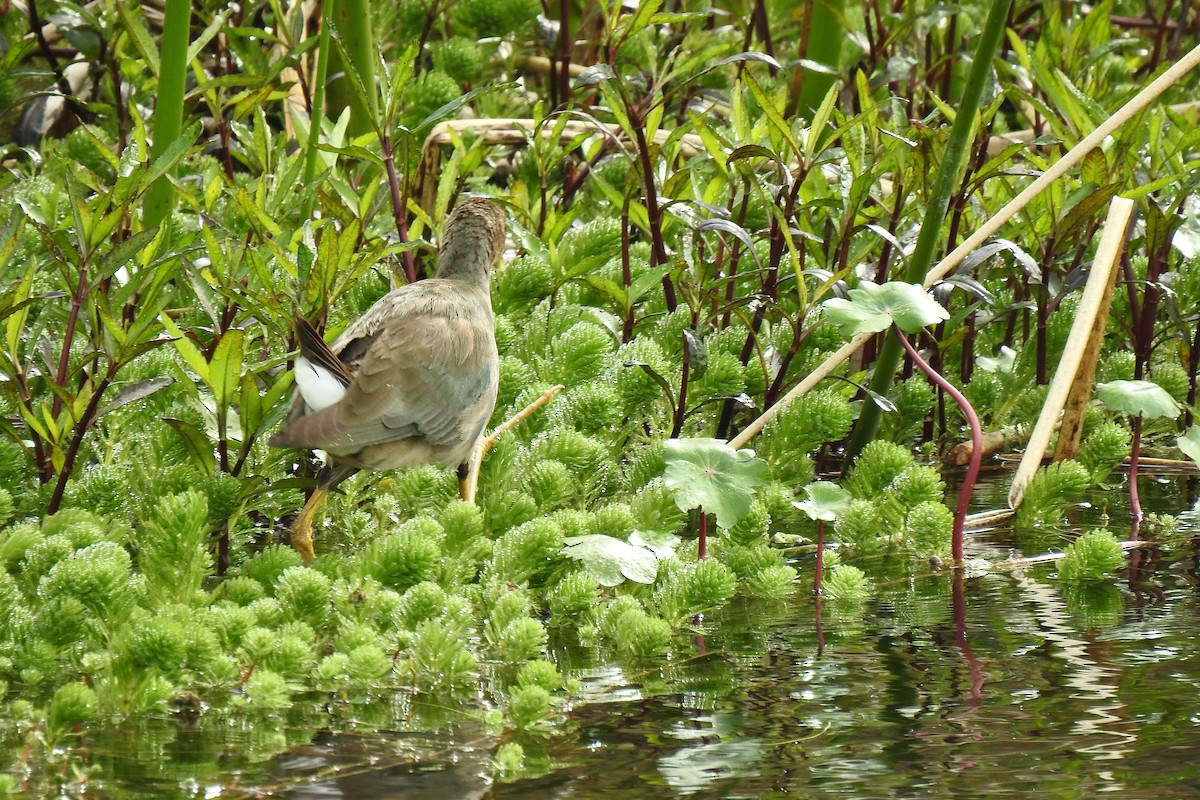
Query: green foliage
(404, 558)
(1052, 488)
(1094, 556)
(509, 759)
(633, 632)
(1103, 449)
(438, 658)
(877, 466)
(801, 428)
(913, 400)
(459, 57)
(846, 583)
(495, 17)
(142, 372)
(528, 705)
(689, 589)
(304, 594)
(711, 475)
(7, 506)
(526, 553)
(928, 527)
(539, 673)
(73, 704)
(571, 596)
(173, 548)
(268, 564)
(872, 308)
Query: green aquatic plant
(712, 476)
(826, 502)
(1140, 400)
(847, 583)
(1051, 490)
(906, 309)
(1094, 556)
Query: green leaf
(661, 544)
(826, 501)
(712, 475)
(197, 444)
(1189, 443)
(873, 308)
(225, 369)
(610, 560)
(1138, 398)
(139, 36)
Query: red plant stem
(86, 420)
(681, 406)
(64, 360)
(974, 667)
(968, 486)
(1135, 505)
(627, 274)
(702, 547)
(389, 161)
(820, 557)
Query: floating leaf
(826, 501)
(712, 475)
(874, 307)
(661, 544)
(1138, 398)
(610, 560)
(1189, 443)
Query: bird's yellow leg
(300, 537)
(466, 491)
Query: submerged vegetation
(686, 212)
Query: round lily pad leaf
(1139, 399)
(826, 501)
(1189, 443)
(873, 307)
(712, 475)
(610, 560)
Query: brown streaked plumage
(419, 370)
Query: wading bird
(412, 381)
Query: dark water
(1002, 686)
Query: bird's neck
(466, 256)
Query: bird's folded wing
(424, 375)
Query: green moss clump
(879, 464)
(526, 552)
(305, 594)
(1103, 448)
(1092, 557)
(429, 92)
(539, 673)
(928, 529)
(573, 595)
(402, 559)
(522, 283)
(438, 657)
(268, 564)
(847, 583)
(72, 704)
(495, 17)
(1052, 488)
(688, 589)
(528, 705)
(460, 58)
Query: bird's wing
(423, 373)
